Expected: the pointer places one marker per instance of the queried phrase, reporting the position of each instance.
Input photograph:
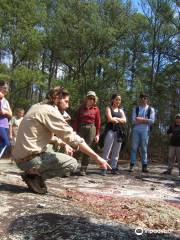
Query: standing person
(174, 145)
(114, 135)
(5, 115)
(87, 124)
(143, 116)
(14, 125)
(41, 124)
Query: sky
(137, 4)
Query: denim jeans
(4, 134)
(140, 139)
(111, 145)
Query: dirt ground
(124, 206)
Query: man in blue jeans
(143, 116)
(5, 115)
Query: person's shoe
(114, 171)
(83, 171)
(103, 172)
(168, 172)
(67, 174)
(35, 183)
(131, 169)
(144, 169)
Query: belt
(86, 124)
(28, 158)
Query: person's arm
(58, 142)
(10, 129)
(98, 125)
(149, 121)
(122, 119)
(109, 116)
(55, 122)
(170, 132)
(134, 116)
(6, 110)
(83, 147)
(141, 120)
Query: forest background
(103, 45)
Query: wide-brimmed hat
(91, 93)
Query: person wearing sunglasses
(143, 116)
(87, 124)
(174, 145)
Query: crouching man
(36, 130)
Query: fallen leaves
(139, 212)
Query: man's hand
(115, 120)
(3, 112)
(103, 164)
(68, 150)
(96, 139)
(141, 120)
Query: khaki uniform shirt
(37, 128)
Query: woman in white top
(113, 139)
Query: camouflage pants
(51, 164)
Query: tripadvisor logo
(139, 231)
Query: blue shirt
(143, 113)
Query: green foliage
(25, 82)
(105, 46)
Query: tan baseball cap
(91, 93)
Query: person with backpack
(174, 145)
(143, 116)
(114, 134)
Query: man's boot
(114, 171)
(35, 183)
(131, 168)
(168, 172)
(144, 168)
